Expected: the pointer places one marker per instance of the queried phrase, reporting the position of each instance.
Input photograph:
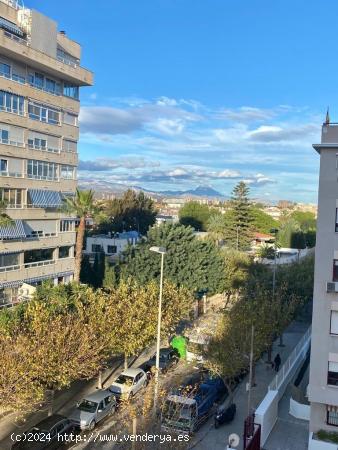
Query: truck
(187, 409)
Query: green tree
(196, 215)
(306, 220)
(83, 206)
(190, 262)
(109, 280)
(262, 222)
(5, 220)
(87, 273)
(237, 266)
(216, 228)
(286, 231)
(134, 211)
(98, 269)
(239, 218)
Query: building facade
(40, 78)
(323, 388)
(112, 245)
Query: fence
(289, 364)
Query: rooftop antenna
(327, 118)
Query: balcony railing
(40, 263)
(16, 38)
(43, 149)
(10, 142)
(9, 268)
(11, 174)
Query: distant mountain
(200, 191)
(102, 186)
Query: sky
(204, 92)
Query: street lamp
(275, 232)
(162, 252)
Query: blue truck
(185, 411)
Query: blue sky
(191, 92)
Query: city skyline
(242, 100)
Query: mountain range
(108, 187)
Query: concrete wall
(299, 410)
(44, 34)
(266, 414)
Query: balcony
(15, 47)
(50, 268)
(37, 242)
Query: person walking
(277, 362)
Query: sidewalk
(209, 437)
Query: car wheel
(92, 425)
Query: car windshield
(87, 406)
(124, 379)
(177, 411)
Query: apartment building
(40, 78)
(323, 388)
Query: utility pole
(251, 368)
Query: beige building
(40, 77)
(323, 388)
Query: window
(12, 197)
(332, 416)
(336, 229)
(11, 103)
(43, 113)
(111, 249)
(32, 256)
(4, 136)
(334, 322)
(64, 252)
(96, 248)
(67, 58)
(3, 165)
(70, 90)
(9, 260)
(67, 172)
(39, 81)
(41, 170)
(5, 70)
(332, 377)
(69, 146)
(67, 225)
(37, 143)
(70, 119)
(335, 270)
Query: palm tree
(216, 227)
(82, 205)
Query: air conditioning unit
(331, 287)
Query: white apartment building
(40, 77)
(323, 388)
(112, 244)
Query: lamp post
(162, 252)
(275, 232)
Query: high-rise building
(323, 388)
(40, 77)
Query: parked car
(47, 434)
(129, 383)
(168, 358)
(93, 408)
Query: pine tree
(239, 219)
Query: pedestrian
(277, 362)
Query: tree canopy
(190, 262)
(134, 211)
(196, 215)
(239, 218)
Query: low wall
(299, 410)
(266, 414)
(320, 445)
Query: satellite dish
(233, 440)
